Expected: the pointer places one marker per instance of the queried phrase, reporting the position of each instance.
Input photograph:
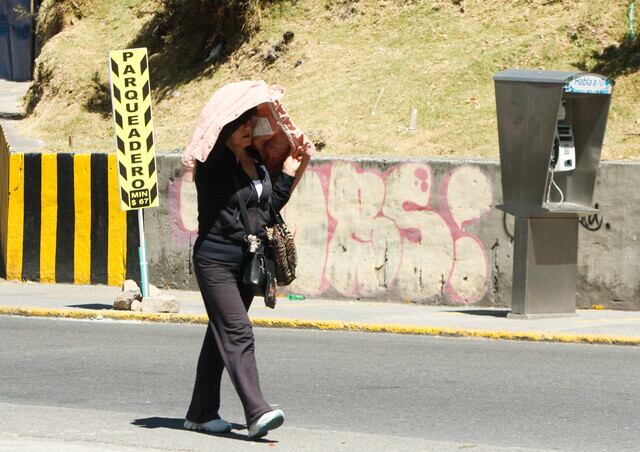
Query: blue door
(16, 40)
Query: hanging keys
(253, 241)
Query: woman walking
(231, 172)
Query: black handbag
(254, 272)
(259, 271)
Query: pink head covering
(225, 105)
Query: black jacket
(218, 181)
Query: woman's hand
(292, 163)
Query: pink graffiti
(457, 232)
(182, 235)
(378, 234)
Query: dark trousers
(228, 343)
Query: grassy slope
(427, 54)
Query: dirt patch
(42, 76)
(55, 15)
(343, 9)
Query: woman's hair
(231, 127)
(226, 132)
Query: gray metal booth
(551, 126)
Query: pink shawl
(231, 101)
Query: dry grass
(428, 54)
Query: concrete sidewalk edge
(329, 326)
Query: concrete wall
(424, 231)
(609, 243)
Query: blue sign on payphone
(588, 84)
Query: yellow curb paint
(49, 221)
(330, 326)
(113, 315)
(448, 332)
(15, 220)
(82, 207)
(117, 246)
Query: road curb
(328, 326)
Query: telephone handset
(563, 154)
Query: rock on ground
(124, 299)
(160, 303)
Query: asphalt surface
(120, 385)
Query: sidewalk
(95, 302)
(11, 111)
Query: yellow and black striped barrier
(61, 219)
(4, 198)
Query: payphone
(551, 127)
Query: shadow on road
(177, 424)
(4, 115)
(94, 306)
(485, 312)
(160, 422)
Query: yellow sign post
(135, 148)
(134, 141)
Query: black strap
(277, 218)
(243, 208)
(243, 212)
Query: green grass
(425, 54)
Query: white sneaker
(214, 426)
(268, 421)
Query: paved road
(74, 385)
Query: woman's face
(241, 138)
